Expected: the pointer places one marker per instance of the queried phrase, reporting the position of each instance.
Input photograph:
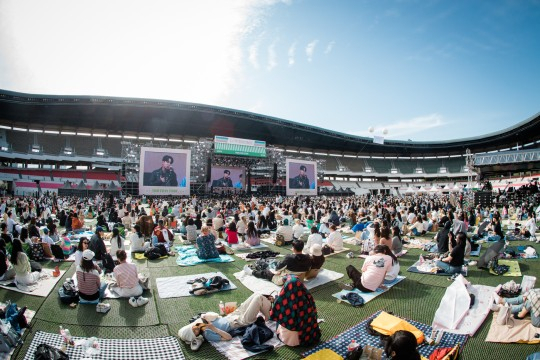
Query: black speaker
(123, 172)
(274, 176)
(37, 181)
(208, 169)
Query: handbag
(280, 240)
(327, 250)
(505, 317)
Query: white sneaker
(196, 343)
(133, 302)
(141, 301)
(496, 298)
(247, 270)
(472, 263)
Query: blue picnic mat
(359, 333)
(187, 256)
(368, 296)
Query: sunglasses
(85, 242)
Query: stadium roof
(162, 118)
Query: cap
(45, 231)
(99, 228)
(316, 250)
(303, 168)
(88, 254)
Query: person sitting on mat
(90, 286)
(212, 327)
(374, 271)
(295, 312)
(296, 263)
(23, 271)
(335, 240)
(206, 244)
(453, 263)
(252, 236)
(402, 346)
(528, 303)
(317, 261)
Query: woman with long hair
(232, 234)
(21, 265)
(402, 346)
(117, 242)
(83, 245)
(252, 236)
(397, 243)
(90, 286)
(6, 271)
(137, 240)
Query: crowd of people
(379, 222)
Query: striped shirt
(126, 275)
(88, 283)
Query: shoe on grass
(133, 302)
(141, 301)
(196, 343)
(346, 286)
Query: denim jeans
(447, 268)
(518, 304)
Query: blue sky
(422, 70)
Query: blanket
(454, 314)
(187, 256)
(42, 288)
(162, 348)
(337, 252)
(370, 295)
(266, 287)
(428, 267)
(514, 268)
(140, 256)
(244, 246)
(234, 350)
(416, 243)
(177, 286)
(522, 332)
(359, 333)
(29, 315)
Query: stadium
(83, 146)
(93, 143)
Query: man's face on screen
(302, 172)
(226, 175)
(165, 165)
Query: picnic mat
(367, 296)
(162, 348)
(337, 252)
(514, 268)
(234, 350)
(140, 256)
(417, 268)
(187, 256)
(266, 287)
(177, 286)
(359, 333)
(42, 288)
(244, 257)
(455, 314)
(29, 315)
(477, 251)
(522, 332)
(244, 246)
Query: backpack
(280, 240)
(327, 250)
(68, 293)
(48, 352)
(162, 250)
(57, 251)
(37, 252)
(108, 263)
(152, 253)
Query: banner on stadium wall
(240, 147)
(164, 171)
(301, 177)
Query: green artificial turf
(416, 298)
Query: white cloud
(310, 49)
(253, 55)
(329, 47)
(178, 50)
(272, 57)
(405, 128)
(290, 53)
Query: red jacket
(159, 233)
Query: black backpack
(57, 251)
(162, 250)
(152, 254)
(48, 352)
(108, 263)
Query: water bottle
(221, 308)
(353, 345)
